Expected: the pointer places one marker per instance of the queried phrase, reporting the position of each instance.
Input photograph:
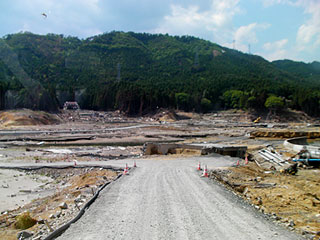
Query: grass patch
(24, 221)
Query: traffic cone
(199, 166)
(134, 164)
(246, 160)
(125, 171)
(205, 172)
(75, 162)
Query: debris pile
(293, 200)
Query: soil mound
(283, 116)
(293, 199)
(170, 116)
(27, 117)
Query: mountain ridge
(138, 72)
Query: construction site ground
(292, 200)
(72, 137)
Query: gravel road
(167, 199)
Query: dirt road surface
(167, 199)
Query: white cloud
(276, 50)
(275, 45)
(308, 33)
(277, 55)
(214, 23)
(246, 35)
(308, 36)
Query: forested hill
(309, 71)
(139, 72)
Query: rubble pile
(291, 200)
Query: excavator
(257, 120)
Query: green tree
(206, 105)
(252, 102)
(274, 103)
(235, 99)
(182, 101)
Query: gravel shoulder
(167, 199)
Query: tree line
(140, 72)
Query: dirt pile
(290, 115)
(294, 200)
(27, 117)
(285, 116)
(165, 115)
(234, 115)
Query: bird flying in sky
(45, 15)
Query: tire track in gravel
(195, 210)
(209, 207)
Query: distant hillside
(309, 71)
(140, 72)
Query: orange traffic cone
(125, 171)
(134, 164)
(199, 167)
(205, 172)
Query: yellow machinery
(257, 120)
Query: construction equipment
(292, 169)
(257, 120)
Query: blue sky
(274, 29)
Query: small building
(71, 106)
